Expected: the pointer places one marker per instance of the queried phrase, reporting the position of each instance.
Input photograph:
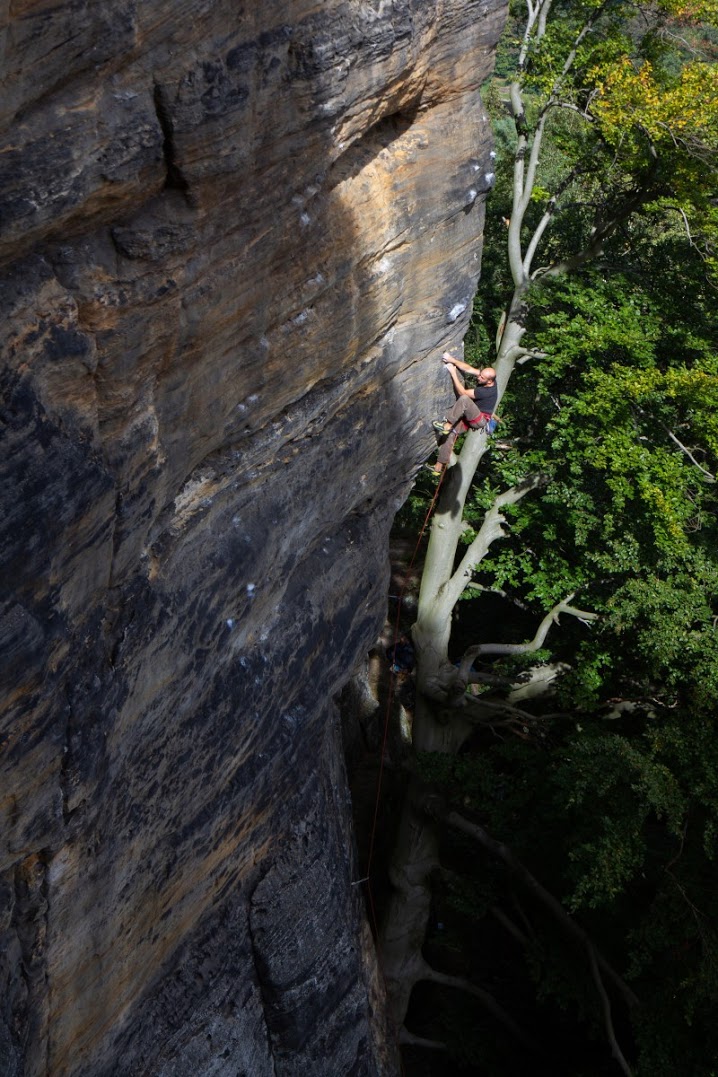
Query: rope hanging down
(390, 700)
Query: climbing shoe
(435, 471)
(441, 426)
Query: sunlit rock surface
(235, 240)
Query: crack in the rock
(174, 179)
(30, 921)
(253, 949)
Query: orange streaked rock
(236, 239)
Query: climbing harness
(483, 421)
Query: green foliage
(616, 808)
(624, 381)
(633, 118)
(611, 797)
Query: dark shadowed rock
(234, 240)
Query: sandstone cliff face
(235, 239)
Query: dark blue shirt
(486, 397)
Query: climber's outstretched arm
(458, 386)
(459, 363)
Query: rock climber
(472, 410)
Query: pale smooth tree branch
(408, 1039)
(530, 179)
(574, 108)
(542, 18)
(524, 354)
(551, 618)
(607, 1018)
(525, 175)
(492, 528)
(538, 12)
(497, 591)
(547, 217)
(513, 713)
(689, 454)
(585, 29)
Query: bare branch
(524, 876)
(490, 530)
(585, 29)
(533, 30)
(487, 1000)
(530, 179)
(529, 149)
(601, 233)
(497, 591)
(668, 34)
(516, 220)
(515, 713)
(691, 457)
(692, 145)
(408, 1039)
(529, 353)
(574, 108)
(548, 215)
(538, 234)
(552, 617)
(543, 16)
(684, 449)
(691, 241)
(552, 102)
(607, 1019)
(536, 682)
(538, 11)
(509, 925)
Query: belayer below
(472, 411)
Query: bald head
(488, 375)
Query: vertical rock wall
(235, 238)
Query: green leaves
(612, 797)
(612, 786)
(614, 805)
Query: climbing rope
(390, 700)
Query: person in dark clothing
(473, 407)
(401, 655)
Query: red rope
(390, 699)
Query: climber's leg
(463, 408)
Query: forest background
(560, 828)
